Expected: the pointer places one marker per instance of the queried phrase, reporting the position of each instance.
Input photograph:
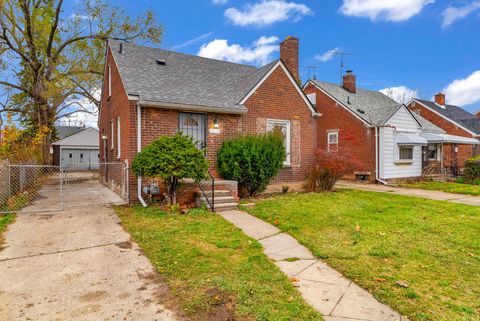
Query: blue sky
(424, 45)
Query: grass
(449, 187)
(379, 239)
(202, 258)
(4, 221)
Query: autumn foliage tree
(52, 61)
(329, 167)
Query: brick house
(149, 92)
(453, 120)
(389, 140)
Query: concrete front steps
(224, 201)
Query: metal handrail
(204, 186)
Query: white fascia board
(193, 108)
(292, 80)
(444, 117)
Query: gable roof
(184, 79)
(87, 137)
(65, 131)
(455, 114)
(372, 107)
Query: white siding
(403, 121)
(389, 166)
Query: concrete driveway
(78, 264)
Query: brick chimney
(440, 99)
(477, 114)
(289, 55)
(349, 82)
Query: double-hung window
(332, 140)
(282, 128)
(118, 138)
(112, 135)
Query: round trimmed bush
(252, 161)
(472, 168)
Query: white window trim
(112, 136)
(109, 81)
(270, 123)
(406, 161)
(329, 134)
(119, 153)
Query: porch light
(104, 136)
(215, 123)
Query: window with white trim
(118, 138)
(109, 81)
(332, 140)
(405, 153)
(282, 128)
(112, 135)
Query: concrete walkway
(78, 264)
(414, 192)
(334, 296)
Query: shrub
(472, 168)
(460, 180)
(171, 158)
(328, 168)
(252, 161)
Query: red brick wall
(277, 98)
(464, 151)
(353, 134)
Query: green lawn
(215, 271)
(4, 221)
(449, 187)
(378, 239)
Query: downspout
(139, 149)
(377, 165)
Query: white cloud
(267, 12)
(260, 52)
(219, 1)
(89, 119)
(400, 94)
(386, 10)
(464, 91)
(192, 41)
(452, 14)
(328, 55)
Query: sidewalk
(326, 290)
(414, 192)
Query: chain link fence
(36, 188)
(22, 185)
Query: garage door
(79, 159)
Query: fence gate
(40, 188)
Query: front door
(195, 126)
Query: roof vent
(161, 62)
(361, 111)
(120, 49)
(348, 100)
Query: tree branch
(54, 28)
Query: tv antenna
(342, 54)
(309, 69)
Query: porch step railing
(207, 187)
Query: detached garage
(79, 151)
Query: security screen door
(195, 126)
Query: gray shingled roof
(377, 108)
(65, 131)
(455, 113)
(184, 79)
(86, 137)
(372, 106)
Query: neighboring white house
(79, 151)
(408, 142)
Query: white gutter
(377, 165)
(158, 104)
(139, 149)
